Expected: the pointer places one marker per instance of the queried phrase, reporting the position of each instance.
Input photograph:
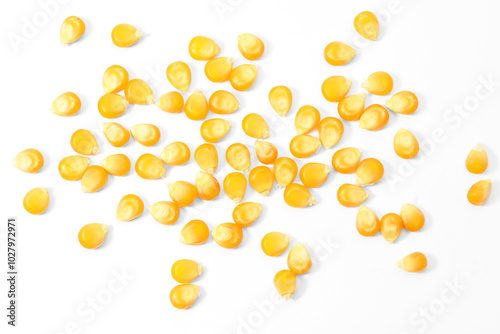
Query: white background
(444, 51)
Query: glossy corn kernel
(250, 46)
(477, 160)
(280, 98)
(412, 217)
(195, 232)
(378, 83)
(171, 102)
(235, 186)
(129, 208)
(207, 186)
(72, 29)
(335, 88)
(179, 75)
(116, 164)
(36, 201)
(203, 48)
(182, 193)
(413, 263)
(369, 171)
(338, 53)
(298, 196)
(137, 91)
(261, 179)
(164, 212)
(255, 126)
(346, 160)
(66, 104)
(112, 105)
(206, 157)
(146, 134)
(306, 119)
(303, 146)
(366, 24)
(479, 192)
(391, 226)
(242, 77)
(285, 283)
(238, 157)
(314, 174)
(350, 108)
(367, 222)
(404, 102)
(275, 243)
(330, 130)
(406, 144)
(218, 69)
(175, 154)
(183, 296)
(214, 129)
(196, 107)
(29, 161)
(227, 235)
(299, 260)
(223, 103)
(116, 134)
(114, 79)
(72, 168)
(125, 35)
(375, 117)
(245, 214)
(91, 236)
(94, 179)
(266, 152)
(185, 271)
(84, 142)
(149, 167)
(285, 170)
(350, 195)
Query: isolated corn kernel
(477, 160)
(72, 29)
(303, 146)
(235, 186)
(285, 170)
(306, 119)
(298, 196)
(406, 144)
(404, 102)
(146, 134)
(250, 46)
(72, 168)
(280, 98)
(171, 102)
(94, 179)
(114, 79)
(112, 105)
(196, 107)
(207, 186)
(369, 171)
(185, 271)
(66, 104)
(346, 160)
(285, 283)
(195, 232)
(378, 83)
(179, 75)
(223, 103)
(129, 208)
(218, 69)
(350, 195)
(29, 161)
(213, 130)
(245, 214)
(242, 77)
(338, 53)
(91, 236)
(367, 222)
(266, 152)
(206, 157)
(299, 260)
(238, 157)
(275, 243)
(125, 35)
(116, 164)
(164, 212)
(183, 296)
(351, 107)
(182, 193)
(175, 154)
(203, 48)
(116, 134)
(261, 179)
(366, 24)
(150, 167)
(391, 225)
(413, 263)
(36, 201)
(227, 235)
(375, 117)
(137, 91)
(84, 142)
(314, 174)
(479, 192)
(335, 88)
(255, 126)
(412, 217)
(330, 130)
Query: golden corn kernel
(250, 46)
(391, 225)
(214, 129)
(218, 69)
(196, 107)
(149, 167)
(129, 208)
(175, 154)
(369, 171)
(255, 126)
(171, 102)
(227, 235)
(351, 195)
(367, 222)
(275, 243)
(298, 196)
(29, 161)
(479, 192)
(413, 263)
(112, 105)
(350, 108)
(164, 212)
(245, 214)
(223, 103)
(206, 157)
(125, 35)
(72, 29)
(207, 186)
(242, 77)
(66, 104)
(406, 144)
(413, 219)
(266, 152)
(203, 48)
(338, 53)
(366, 24)
(183, 296)
(235, 186)
(36, 201)
(179, 75)
(306, 119)
(280, 98)
(404, 102)
(375, 117)
(477, 160)
(195, 232)
(335, 88)
(261, 179)
(238, 157)
(116, 134)
(346, 160)
(378, 83)
(146, 134)
(299, 260)
(84, 142)
(116, 164)
(182, 193)
(72, 168)
(285, 170)
(114, 79)
(91, 236)
(94, 179)
(185, 271)
(314, 174)
(285, 283)
(137, 91)
(303, 146)
(330, 130)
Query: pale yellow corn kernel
(206, 157)
(406, 144)
(149, 167)
(175, 154)
(391, 226)
(479, 192)
(227, 235)
(171, 102)
(146, 134)
(137, 91)
(116, 134)
(91, 236)
(261, 179)
(125, 35)
(242, 77)
(367, 222)
(195, 232)
(250, 46)
(164, 212)
(298, 196)
(266, 152)
(299, 260)
(112, 105)
(207, 186)
(375, 117)
(412, 217)
(306, 119)
(72, 29)
(303, 146)
(285, 283)
(346, 160)
(223, 103)
(280, 98)
(114, 79)
(214, 129)
(351, 107)
(203, 48)
(335, 88)
(72, 168)
(66, 104)
(338, 53)
(413, 263)
(378, 83)
(116, 164)
(330, 130)
(185, 271)
(366, 24)
(285, 170)
(36, 201)
(350, 195)
(245, 214)
(129, 208)
(235, 186)
(275, 243)
(369, 171)
(477, 160)
(182, 193)
(84, 142)
(196, 107)
(29, 161)
(238, 157)
(255, 126)
(218, 69)
(404, 102)
(183, 296)
(94, 179)
(314, 174)
(179, 75)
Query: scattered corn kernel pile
(282, 169)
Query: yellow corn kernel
(203, 48)
(330, 130)
(146, 134)
(298, 196)
(280, 98)
(125, 35)
(84, 142)
(366, 24)
(346, 160)
(314, 174)
(137, 91)
(413, 219)
(182, 193)
(350, 108)
(129, 208)
(285, 170)
(218, 69)
(227, 235)
(207, 186)
(285, 283)
(375, 117)
(266, 152)
(303, 146)
(477, 160)
(378, 83)
(250, 46)
(66, 104)
(413, 263)
(350, 195)
(235, 186)
(179, 75)
(245, 214)
(306, 119)
(183, 296)
(275, 243)
(114, 79)
(94, 179)
(185, 271)
(299, 260)
(242, 77)
(72, 29)
(404, 102)
(196, 107)
(261, 179)
(29, 161)
(175, 154)
(149, 167)
(238, 157)
(112, 105)
(214, 129)
(223, 103)
(255, 126)
(391, 225)
(367, 222)
(91, 236)
(206, 157)
(164, 212)
(338, 53)
(72, 168)
(369, 171)
(335, 88)
(406, 144)
(171, 102)
(36, 201)
(116, 134)
(116, 164)
(195, 232)
(479, 192)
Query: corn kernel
(223, 103)
(266, 152)
(306, 119)
(112, 105)
(138, 91)
(338, 53)
(129, 208)
(299, 260)
(218, 69)
(183, 296)
(72, 168)
(250, 46)
(196, 107)
(303, 146)
(298, 196)
(146, 134)
(330, 130)
(285, 170)
(375, 117)
(29, 161)
(84, 142)
(125, 35)
(175, 154)
(406, 144)
(36, 201)
(314, 174)
(378, 83)
(114, 79)
(171, 102)
(206, 157)
(285, 283)
(280, 98)
(116, 164)
(477, 160)
(242, 77)
(366, 24)
(346, 160)
(214, 129)
(275, 243)
(149, 167)
(195, 232)
(164, 212)
(179, 75)
(413, 219)
(94, 179)
(413, 263)
(261, 179)
(203, 48)
(185, 271)
(369, 171)
(235, 186)
(255, 126)
(479, 192)
(227, 235)
(367, 222)
(350, 195)
(66, 104)
(116, 134)
(404, 102)
(335, 88)
(182, 193)
(207, 186)
(238, 157)
(245, 214)
(391, 225)
(91, 236)
(350, 108)
(72, 29)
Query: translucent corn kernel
(338, 53)
(227, 235)
(72, 29)
(138, 91)
(94, 179)
(330, 131)
(245, 214)
(235, 186)
(404, 102)
(250, 46)
(196, 107)
(303, 146)
(185, 271)
(335, 88)
(125, 35)
(149, 167)
(218, 69)
(116, 164)
(413, 219)
(413, 263)
(183, 296)
(298, 196)
(146, 134)
(116, 134)
(406, 144)
(275, 243)
(299, 260)
(367, 222)
(66, 104)
(366, 24)
(375, 117)
(179, 75)
(255, 126)
(164, 212)
(171, 102)
(36, 201)
(479, 192)
(285, 170)
(182, 193)
(261, 179)
(29, 161)
(175, 154)
(214, 129)
(195, 232)
(280, 98)
(346, 160)
(206, 157)
(84, 142)
(477, 160)
(72, 168)
(266, 152)
(238, 157)
(203, 48)
(369, 171)
(285, 283)
(350, 195)
(378, 83)
(129, 208)
(314, 174)
(223, 103)
(112, 105)
(391, 225)
(91, 236)
(242, 77)
(114, 79)
(306, 119)
(207, 186)
(350, 108)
